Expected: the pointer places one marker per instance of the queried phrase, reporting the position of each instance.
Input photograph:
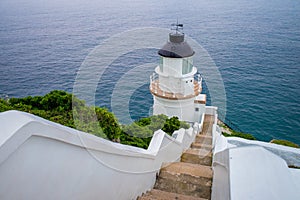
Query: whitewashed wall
(250, 171)
(44, 160)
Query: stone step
(205, 139)
(196, 145)
(197, 156)
(186, 178)
(207, 125)
(163, 195)
(206, 130)
(209, 118)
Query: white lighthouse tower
(176, 86)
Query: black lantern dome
(176, 47)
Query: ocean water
(255, 45)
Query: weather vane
(177, 27)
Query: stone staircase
(192, 177)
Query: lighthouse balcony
(159, 89)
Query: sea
(255, 46)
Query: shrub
(144, 121)
(285, 143)
(56, 106)
(109, 123)
(157, 122)
(239, 134)
(172, 124)
(139, 133)
(4, 106)
(64, 108)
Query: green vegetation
(56, 106)
(293, 166)
(239, 134)
(172, 124)
(139, 133)
(227, 132)
(285, 143)
(64, 108)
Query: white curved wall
(44, 160)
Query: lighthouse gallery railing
(156, 89)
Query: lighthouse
(176, 85)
